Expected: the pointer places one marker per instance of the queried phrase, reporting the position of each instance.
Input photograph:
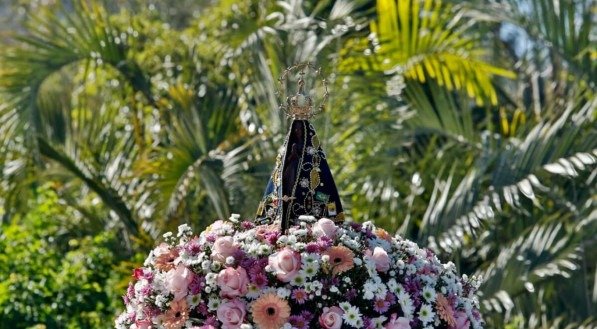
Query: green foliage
(51, 274)
(467, 126)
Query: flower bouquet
(298, 264)
(320, 274)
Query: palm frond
(431, 40)
(548, 147)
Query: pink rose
(381, 258)
(231, 314)
(232, 282)
(331, 318)
(325, 227)
(397, 323)
(286, 263)
(141, 324)
(462, 321)
(223, 248)
(177, 281)
(162, 248)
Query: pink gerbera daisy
(341, 259)
(176, 316)
(270, 311)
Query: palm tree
(508, 196)
(141, 126)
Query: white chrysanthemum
(234, 218)
(429, 294)
(213, 303)
(426, 314)
(307, 258)
(352, 316)
(369, 290)
(379, 321)
(264, 249)
(301, 232)
(291, 239)
(299, 279)
(193, 300)
(393, 285)
(406, 303)
(283, 292)
(345, 306)
(253, 292)
(211, 278)
(311, 269)
(160, 301)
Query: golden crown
(300, 105)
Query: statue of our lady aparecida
(298, 264)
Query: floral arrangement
(319, 275)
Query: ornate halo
(300, 106)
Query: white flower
(253, 292)
(193, 300)
(234, 218)
(246, 326)
(213, 303)
(310, 269)
(300, 232)
(307, 258)
(184, 230)
(426, 314)
(206, 265)
(229, 260)
(299, 280)
(428, 294)
(352, 316)
(406, 303)
(378, 322)
(307, 218)
(369, 289)
(160, 301)
(345, 306)
(283, 292)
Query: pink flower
(331, 318)
(325, 227)
(381, 258)
(233, 282)
(462, 321)
(223, 248)
(286, 263)
(397, 323)
(141, 324)
(231, 314)
(177, 281)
